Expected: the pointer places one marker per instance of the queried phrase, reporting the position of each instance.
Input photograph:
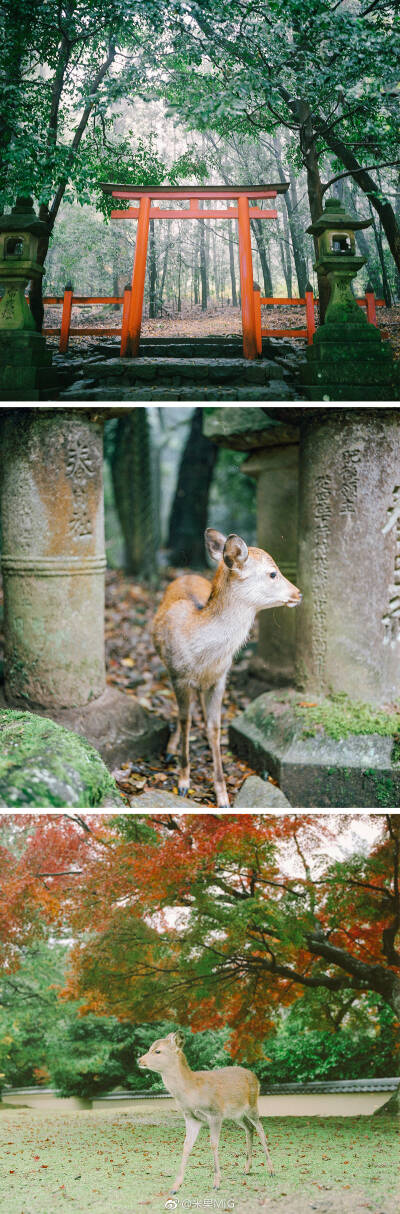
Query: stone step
(83, 390)
(181, 379)
(196, 370)
(187, 347)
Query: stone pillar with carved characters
(348, 630)
(276, 469)
(53, 558)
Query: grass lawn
(111, 1162)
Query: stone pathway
(178, 369)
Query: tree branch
(99, 77)
(365, 169)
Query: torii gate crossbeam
(146, 196)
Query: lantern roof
(335, 216)
(23, 219)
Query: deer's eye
(157, 1051)
(273, 574)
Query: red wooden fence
(68, 300)
(367, 301)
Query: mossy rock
(330, 753)
(42, 765)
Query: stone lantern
(337, 258)
(348, 359)
(22, 349)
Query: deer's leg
(213, 702)
(184, 700)
(192, 1130)
(254, 1120)
(249, 1131)
(203, 706)
(215, 1130)
(173, 742)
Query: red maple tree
(214, 919)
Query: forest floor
(192, 322)
(135, 668)
(106, 1160)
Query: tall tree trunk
(49, 213)
(397, 271)
(215, 266)
(364, 244)
(152, 271)
(196, 270)
(179, 301)
(131, 468)
(207, 239)
(36, 284)
(297, 234)
(290, 221)
(115, 286)
(369, 187)
(232, 266)
(163, 277)
(302, 113)
(285, 245)
(378, 241)
(257, 228)
(188, 518)
(203, 267)
(373, 276)
(286, 266)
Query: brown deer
(206, 1098)
(199, 627)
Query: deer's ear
(178, 1039)
(214, 541)
(235, 552)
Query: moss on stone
(42, 764)
(384, 788)
(340, 716)
(263, 720)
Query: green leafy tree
(65, 67)
(29, 1011)
(326, 72)
(323, 1037)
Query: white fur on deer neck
(202, 654)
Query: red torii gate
(194, 194)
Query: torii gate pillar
(246, 280)
(132, 339)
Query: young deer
(198, 628)
(206, 1098)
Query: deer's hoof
(182, 790)
(170, 755)
(221, 795)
